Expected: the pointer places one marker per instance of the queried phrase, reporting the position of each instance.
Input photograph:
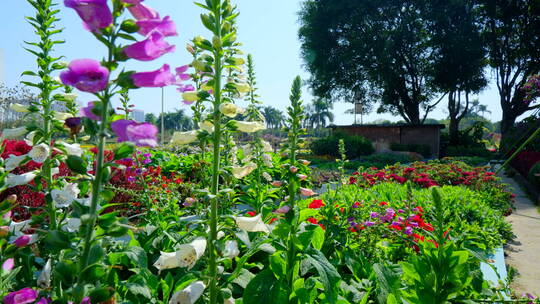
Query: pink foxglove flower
(95, 14)
(141, 134)
(181, 72)
(152, 48)
(307, 192)
(86, 75)
(140, 11)
(277, 183)
(164, 26)
(88, 111)
(154, 79)
(23, 296)
(8, 265)
(25, 240)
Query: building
(137, 115)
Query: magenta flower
(24, 240)
(152, 48)
(23, 296)
(8, 265)
(374, 215)
(181, 72)
(134, 2)
(369, 224)
(185, 88)
(86, 75)
(164, 26)
(95, 14)
(87, 111)
(141, 134)
(140, 11)
(154, 79)
(408, 231)
(44, 301)
(283, 209)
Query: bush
(378, 161)
(355, 145)
(425, 150)
(532, 176)
(479, 151)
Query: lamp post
(162, 116)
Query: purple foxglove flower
(134, 2)
(154, 79)
(408, 231)
(164, 26)
(374, 214)
(147, 155)
(283, 210)
(368, 223)
(22, 241)
(8, 265)
(181, 73)
(86, 301)
(152, 48)
(140, 11)
(73, 122)
(87, 111)
(44, 301)
(86, 75)
(23, 296)
(95, 14)
(185, 88)
(141, 134)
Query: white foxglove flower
(207, 126)
(231, 249)
(62, 116)
(249, 126)
(183, 138)
(190, 253)
(14, 133)
(73, 224)
(167, 260)
(17, 228)
(241, 172)
(72, 149)
(63, 198)
(242, 87)
(44, 279)
(267, 176)
(17, 107)
(13, 180)
(188, 295)
(70, 96)
(13, 161)
(55, 170)
(220, 234)
(267, 147)
(251, 224)
(267, 159)
(229, 109)
(39, 153)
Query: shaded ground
(524, 252)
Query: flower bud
(293, 169)
(129, 26)
(190, 49)
(12, 199)
(216, 42)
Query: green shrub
(535, 180)
(468, 151)
(425, 150)
(355, 145)
(378, 161)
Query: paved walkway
(524, 252)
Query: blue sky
(268, 30)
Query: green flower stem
(212, 261)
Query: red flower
(316, 204)
(272, 220)
(383, 204)
(313, 220)
(251, 213)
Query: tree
(274, 117)
(176, 121)
(511, 33)
(151, 118)
(320, 112)
(379, 48)
(458, 56)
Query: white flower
(249, 126)
(44, 279)
(63, 198)
(267, 159)
(17, 107)
(229, 301)
(229, 109)
(231, 249)
(267, 176)
(220, 234)
(242, 87)
(251, 224)
(207, 126)
(186, 256)
(267, 147)
(39, 153)
(55, 170)
(241, 172)
(14, 133)
(13, 180)
(72, 149)
(62, 116)
(17, 228)
(183, 138)
(13, 162)
(72, 224)
(190, 96)
(188, 295)
(70, 96)
(85, 138)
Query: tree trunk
(507, 123)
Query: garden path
(524, 252)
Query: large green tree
(320, 113)
(380, 48)
(512, 37)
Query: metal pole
(162, 116)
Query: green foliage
(355, 145)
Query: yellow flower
(229, 109)
(183, 138)
(190, 96)
(249, 126)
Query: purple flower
(350, 219)
(23, 296)
(374, 215)
(138, 171)
(185, 88)
(73, 122)
(369, 223)
(146, 161)
(147, 155)
(154, 79)
(8, 265)
(140, 11)
(86, 301)
(88, 113)
(141, 134)
(283, 209)
(181, 72)
(86, 75)
(401, 211)
(22, 241)
(43, 301)
(152, 48)
(95, 14)
(408, 231)
(164, 26)
(394, 223)
(413, 224)
(131, 179)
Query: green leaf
(307, 213)
(318, 238)
(125, 150)
(76, 164)
(388, 279)
(264, 288)
(58, 239)
(100, 295)
(139, 290)
(278, 265)
(328, 274)
(96, 254)
(138, 256)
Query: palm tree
(321, 113)
(274, 117)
